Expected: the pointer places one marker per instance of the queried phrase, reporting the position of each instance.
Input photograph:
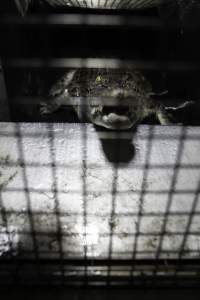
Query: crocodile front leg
(167, 115)
(54, 103)
(164, 117)
(58, 95)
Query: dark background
(173, 40)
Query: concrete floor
(71, 190)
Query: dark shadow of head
(117, 145)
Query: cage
(83, 205)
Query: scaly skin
(122, 85)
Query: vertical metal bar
(142, 195)
(4, 106)
(50, 129)
(84, 193)
(33, 232)
(190, 219)
(4, 217)
(112, 216)
(171, 192)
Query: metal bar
(101, 63)
(76, 101)
(194, 263)
(4, 106)
(85, 20)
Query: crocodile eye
(98, 79)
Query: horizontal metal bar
(140, 283)
(81, 101)
(136, 192)
(85, 20)
(104, 215)
(141, 166)
(107, 63)
(104, 262)
(106, 234)
(76, 101)
(104, 278)
(113, 20)
(116, 135)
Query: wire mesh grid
(99, 4)
(105, 3)
(70, 216)
(82, 206)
